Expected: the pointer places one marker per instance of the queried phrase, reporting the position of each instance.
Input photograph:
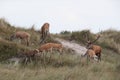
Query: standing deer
(29, 55)
(21, 35)
(50, 47)
(93, 50)
(91, 54)
(44, 32)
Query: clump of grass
(9, 49)
(80, 36)
(118, 68)
(111, 40)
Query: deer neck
(89, 46)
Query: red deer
(21, 35)
(30, 54)
(97, 49)
(91, 54)
(50, 47)
(44, 31)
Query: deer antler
(96, 39)
(87, 37)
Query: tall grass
(109, 66)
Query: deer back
(45, 27)
(96, 48)
(22, 34)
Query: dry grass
(107, 69)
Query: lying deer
(93, 50)
(21, 35)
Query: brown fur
(91, 55)
(22, 35)
(97, 49)
(30, 54)
(50, 46)
(44, 31)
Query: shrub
(7, 50)
(80, 36)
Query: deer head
(12, 37)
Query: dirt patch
(80, 50)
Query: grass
(104, 70)
(110, 39)
(72, 67)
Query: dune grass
(71, 67)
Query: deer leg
(26, 60)
(44, 56)
(30, 58)
(95, 57)
(44, 59)
(49, 57)
(23, 41)
(27, 41)
(45, 36)
(42, 38)
(60, 58)
(99, 56)
(50, 54)
(88, 58)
